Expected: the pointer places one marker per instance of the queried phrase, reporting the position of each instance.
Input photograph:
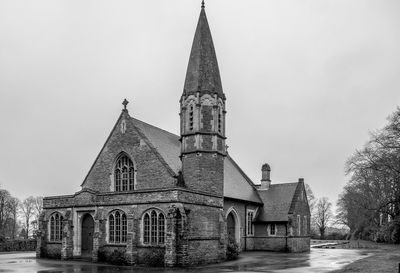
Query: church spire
(202, 116)
(202, 73)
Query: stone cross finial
(125, 103)
(202, 4)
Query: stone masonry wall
(299, 244)
(149, 169)
(240, 207)
(204, 172)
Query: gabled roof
(202, 72)
(277, 201)
(236, 184)
(166, 143)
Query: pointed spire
(202, 73)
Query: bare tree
(14, 205)
(38, 207)
(373, 191)
(311, 203)
(323, 215)
(28, 210)
(4, 210)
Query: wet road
(318, 260)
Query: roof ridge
(290, 183)
(153, 148)
(155, 127)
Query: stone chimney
(265, 176)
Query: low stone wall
(203, 251)
(270, 243)
(23, 245)
(299, 244)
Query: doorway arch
(233, 225)
(87, 234)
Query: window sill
(152, 246)
(54, 242)
(117, 245)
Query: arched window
(56, 226)
(124, 174)
(154, 227)
(117, 227)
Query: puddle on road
(318, 260)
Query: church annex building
(156, 197)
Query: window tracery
(124, 174)
(117, 227)
(153, 227)
(56, 227)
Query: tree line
(370, 202)
(18, 218)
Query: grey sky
(305, 81)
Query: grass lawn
(384, 258)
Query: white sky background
(305, 81)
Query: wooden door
(87, 234)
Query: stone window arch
(154, 224)
(117, 227)
(56, 227)
(124, 173)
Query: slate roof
(277, 202)
(202, 72)
(236, 184)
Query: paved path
(318, 260)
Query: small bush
(153, 258)
(115, 256)
(232, 251)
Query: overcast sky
(305, 81)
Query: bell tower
(202, 115)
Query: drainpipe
(286, 246)
(245, 227)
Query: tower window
(153, 228)
(220, 121)
(56, 227)
(117, 227)
(191, 118)
(298, 225)
(124, 174)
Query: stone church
(153, 197)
